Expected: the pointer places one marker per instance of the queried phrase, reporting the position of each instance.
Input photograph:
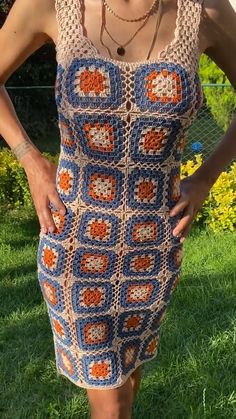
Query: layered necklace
(155, 7)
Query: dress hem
(99, 387)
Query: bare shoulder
(218, 22)
(29, 25)
(35, 16)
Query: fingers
(184, 224)
(185, 233)
(180, 206)
(57, 202)
(46, 220)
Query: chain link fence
(35, 106)
(215, 115)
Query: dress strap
(68, 15)
(185, 50)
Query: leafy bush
(220, 100)
(218, 211)
(14, 188)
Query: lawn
(193, 375)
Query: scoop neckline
(129, 64)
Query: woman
(113, 213)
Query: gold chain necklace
(121, 49)
(148, 13)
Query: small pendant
(120, 51)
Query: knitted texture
(109, 269)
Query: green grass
(193, 375)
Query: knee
(111, 404)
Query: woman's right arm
(27, 27)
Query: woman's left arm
(221, 31)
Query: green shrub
(220, 100)
(14, 188)
(219, 209)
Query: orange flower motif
(145, 231)
(133, 322)
(142, 263)
(49, 292)
(92, 297)
(65, 180)
(58, 327)
(153, 140)
(100, 136)
(100, 370)
(94, 263)
(152, 346)
(67, 363)
(141, 293)
(92, 81)
(49, 257)
(98, 229)
(146, 190)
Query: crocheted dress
(108, 271)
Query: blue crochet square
(133, 323)
(101, 136)
(163, 87)
(93, 83)
(173, 191)
(97, 228)
(145, 230)
(175, 257)
(100, 369)
(129, 354)
(51, 257)
(95, 333)
(102, 186)
(145, 189)
(149, 347)
(63, 223)
(142, 263)
(67, 180)
(153, 139)
(52, 292)
(93, 263)
(58, 85)
(91, 297)
(60, 328)
(68, 141)
(141, 293)
(66, 362)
